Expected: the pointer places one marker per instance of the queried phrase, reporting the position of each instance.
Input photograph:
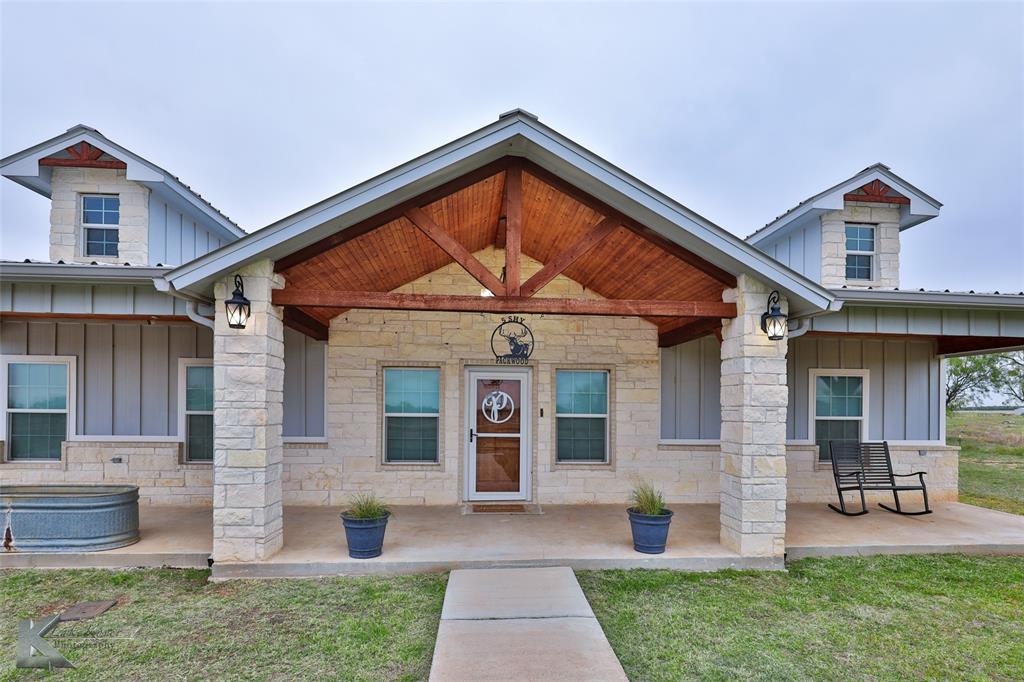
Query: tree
(971, 377)
(1009, 378)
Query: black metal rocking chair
(868, 467)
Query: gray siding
(177, 235)
(690, 396)
(304, 382)
(799, 248)
(127, 382)
(89, 299)
(904, 383)
(857, 319)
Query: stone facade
(248, 394)
(67, 236)
(363, 342)
(811, 481)
(155, 466)
(887, 245)
(753, 440)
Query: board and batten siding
(799, 248)
(905, 398)
(127, 372)
(857, 319)
(127, 379)
(177, 236)
(89, 299)
(905, 392)
(690, 395)
(305, 378)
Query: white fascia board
(53, 273)
(930, 299)
(922, 207)
(23, 167)
(508, 136)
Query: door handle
(472, 435)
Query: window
(100, 211)
(38, 407)
(860, 251)
(838, 407)
(198, 411)
(411, 415)
(581, 411)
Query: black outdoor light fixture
(238, 306)
(773, 320)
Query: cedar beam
(84, 163)
(903, 201)
(318, 298)
(559, 263)
(688, 332)
(304, 323)
(375, 221)
(513, 227)
(418, 217)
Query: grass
(878, 618)
(991, 459)
(174, 625)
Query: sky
(738, 111)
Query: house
(506, 318)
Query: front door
(498, 434)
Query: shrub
(647, 500)
(366, 506)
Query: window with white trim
(196, 394)
(838, 407)
(412, 398)
(101, 215)
(38, 406)
(581, 416)
(860, 251)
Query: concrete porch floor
(423, 539)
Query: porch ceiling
(571, 232)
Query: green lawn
(174, 625)
(879, 618)
(991, 459)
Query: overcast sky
(737, 111)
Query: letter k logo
(32, 651)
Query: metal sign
(512, 341)
(494, 405)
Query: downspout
(191, 303)
(801, 325)
(192, 310)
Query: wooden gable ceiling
(572, 233)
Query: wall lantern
(238, 306)
(773, 320)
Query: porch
(441, 538)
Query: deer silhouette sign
(512, 341)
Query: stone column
(248, 381)
(753, 441)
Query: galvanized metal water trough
(68, 518)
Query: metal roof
(81, 131)
(516, 133)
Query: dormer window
(860, 251)
(101, 215)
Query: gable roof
(921, 207)
(515, 133)
(24, 168)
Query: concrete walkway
(520, 624)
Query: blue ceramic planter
(650, 531)
(365, 536)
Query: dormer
(849, 235)
(109, 205)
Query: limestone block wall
(67, 239)
(887, 244)
(156, 467)
(811, 481)
(363, 342)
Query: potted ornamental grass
(649, 519)
(365, 521)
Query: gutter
(192, 303)
(929, 299)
